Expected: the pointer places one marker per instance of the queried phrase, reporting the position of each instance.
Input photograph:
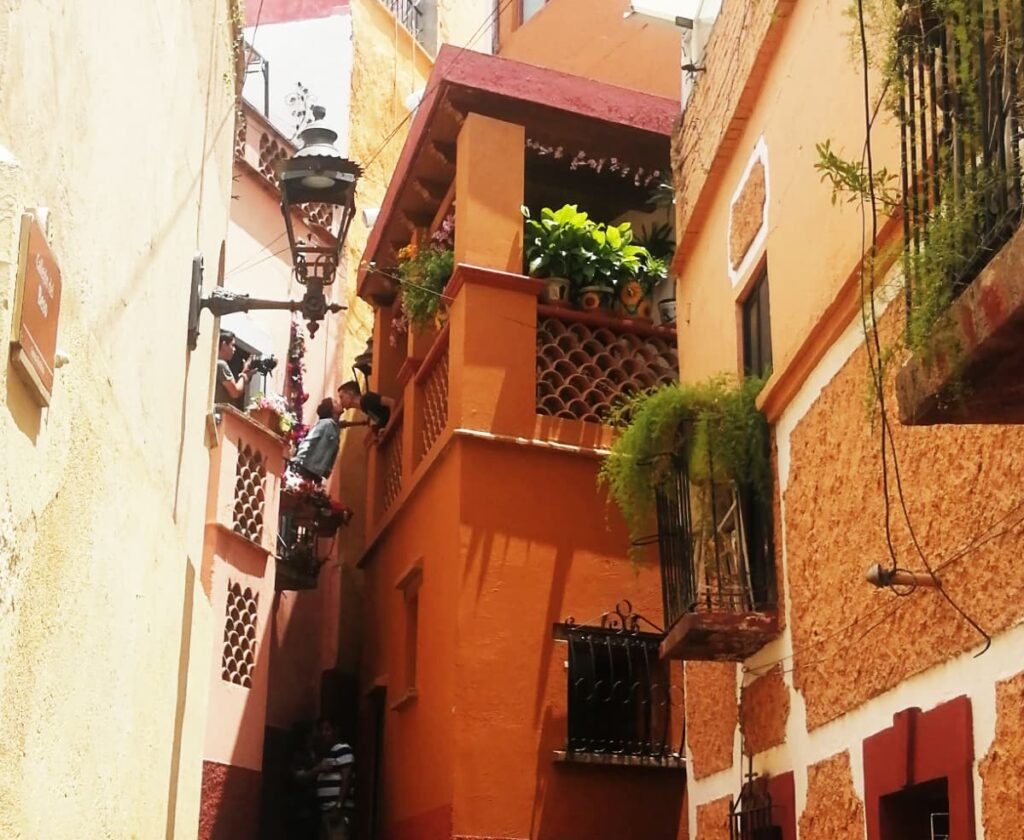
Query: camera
(264, 364)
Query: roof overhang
(558, 111)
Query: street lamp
(315, 174)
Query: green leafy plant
(568, 243)
(559, 243)
(712, 427)
(425, 273)
(658, 240)
(849, 179)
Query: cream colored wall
(387, 65)
(104, 630)
(812, 93)
(591, 39)
(466, 23)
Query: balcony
(490, 137)
(717, 569)
(962, 205)
(556, 373)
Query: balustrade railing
(408, 13)
(390, 455)
(432, 401)
(714, 541)
(960, 116)
(588, 364)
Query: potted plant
(556, 249)
(635, 293)
(713, 429)
(425, 273)
(273, 413)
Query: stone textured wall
(833, 810)
(119, 121)
(764, 711)
(713, 819)
(740, 48)
(747, 215)
(1002, 769)
(961, 485)
(711, 715)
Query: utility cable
(878, 375)
(493, 16)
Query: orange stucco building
(490, 551)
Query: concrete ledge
(972, 371)
(719, 636)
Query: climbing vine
(949, 75)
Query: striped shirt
(328, 782)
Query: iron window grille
(409, 14)
(960, 129)
(715, 545)
(621, 702)
(751, 816)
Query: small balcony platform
(719, 636)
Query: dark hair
(350, 387)
(326, 408)
(226, 336)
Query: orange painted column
(493, 317)
(238, 578)
(489, 185)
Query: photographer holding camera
(230, 389)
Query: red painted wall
(230, 805)
(283, 11)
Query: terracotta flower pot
(267, 417)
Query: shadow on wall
(537, 553)
(25, 411)
(587, 801)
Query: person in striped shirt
(334, 788)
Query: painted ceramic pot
(667, 310)
(556, 291)
(632, 302)
(596, 298)
(441, 316)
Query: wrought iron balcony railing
(407, 13)
(960, 117)
(717, 567)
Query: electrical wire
(986, 535)
(251, 260)
(872, 337)
(493, 16)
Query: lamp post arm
(222, 302)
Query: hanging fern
(712, 427)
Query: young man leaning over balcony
(376, 408)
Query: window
(528, 8)
(409, 585)
(757, 328)
(620, 701)
(258, 383)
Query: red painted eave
(541, 99)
